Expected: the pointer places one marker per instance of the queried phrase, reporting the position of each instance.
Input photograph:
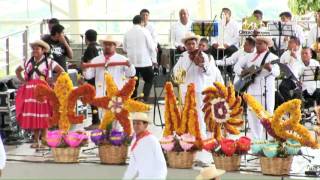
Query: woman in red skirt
(32, 114)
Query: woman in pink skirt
(32, 114)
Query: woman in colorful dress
(32, 114)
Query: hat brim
(117, 43)
(41, 44)
(196, 37)
(266, 40)
(218, 173)
(144, 120)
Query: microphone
(81, 35)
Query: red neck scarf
(107, 56)
(139, 137)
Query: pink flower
(54, 138)
(187, 141)
(167, 143)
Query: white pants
(256, 128)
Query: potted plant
(289, 135)
(181, 136)
(227, 153)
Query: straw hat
(190, 35)
(140, 116)
(109, 38)
(266, 40)
(41, 43)
(210, 173)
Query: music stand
(280, 29)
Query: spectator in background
(141, 51)
(93, 50)
(60, 48)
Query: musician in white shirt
(289, 86)
(264, 82)
(196, 72)
(216, 74)
(286, 18)
(248, 48)
(141, 51)
(117, 65)
(310, 88)
(180, 29)
(314, 33)
(228, 35)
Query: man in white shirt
(197, 72)
(115, 64)
(228, 35)
(141, 51)
(314, 35)
(264, 82)
(310, 88)
(248, 48)
(286, 18)
(146, 157)
(180, 29)
(216, 74)
(289, 86)
(144, 13)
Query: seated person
(309, 85)
(291, 58)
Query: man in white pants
(264, 82)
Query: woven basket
(275, 166)
(110, 154)
(180, 160)
(66, 155)
(227, 163)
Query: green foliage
(301, 7)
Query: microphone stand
(279, 40)
(265, 97)
(82, 44)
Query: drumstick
(88, 65)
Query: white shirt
(308, 82)
(153, 32)
(194, 73)
(2, 155)
(118, 72)
(295, 64)
(228, 35)
(215, 75)
(314, 33)
(178, 32)
(140, 47)
(257, 87)
(233, 59)
(147, 160)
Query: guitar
(248, 76)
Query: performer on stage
(3, 157)
(146, 157)
(216, 74)
(248, 48)
(141, 51)
(289, 87)
(286, 18)
(310, 89)
(93, 50)
(32, 114)
(314, 35)
(264, 82)
(117, 65)
(228, 37)
(180, 29)
(197, 67)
